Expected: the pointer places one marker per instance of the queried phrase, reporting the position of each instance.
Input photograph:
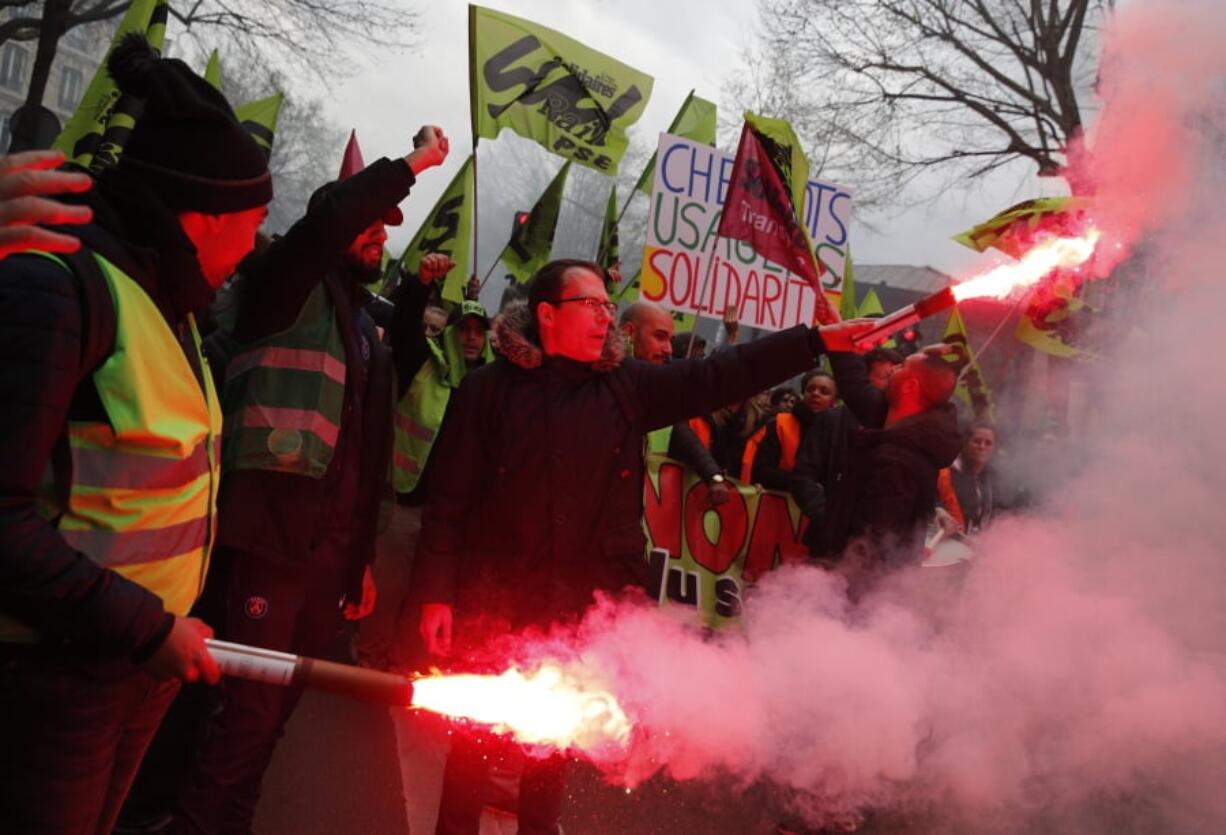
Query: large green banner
(701, 555)
(551, 89)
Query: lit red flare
(565, 707)
(1056, 253)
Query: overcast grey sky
(683, 44)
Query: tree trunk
(26, 124)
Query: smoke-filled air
(1076, 680)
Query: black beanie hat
(187, 144)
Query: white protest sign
(687, 268)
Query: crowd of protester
(515, 446)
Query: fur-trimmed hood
(510, 334)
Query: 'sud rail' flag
(532, 243)
(549, 88)
(82, 136)
(447, 230)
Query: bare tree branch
(880, 90)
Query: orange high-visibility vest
(703, 430)
(787, 429)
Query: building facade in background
(80, 51)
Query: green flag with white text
(82, 137)
(448, 230)
(552, 89)
(695, 120)
(532, 243)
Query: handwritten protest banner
(702, 556)
(691, 182)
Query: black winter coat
(281, 515)
(536, 499)
(889, 490)
(820, 465)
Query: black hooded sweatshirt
(888, 492)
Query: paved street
(339, 771)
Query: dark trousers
(72, 733)
(466, 782)
(386, 638)
(280, 605)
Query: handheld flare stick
(286, 670)
(907, 316)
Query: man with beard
(307, 397)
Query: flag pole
(977, 354)
(472, 99)
(476, 215)
(617, 223)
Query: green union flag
(103, 108)
(531, 243)
(447, 230)
(785, 152)
(259, 118)
(847, 301)
(609, 252)
(1010, 231)
(972, 387)
(549, 88)
(695, 120)
(212, 71)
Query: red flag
(352, 162)
(758, 210)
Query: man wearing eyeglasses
(540, 501)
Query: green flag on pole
(532, 242)
(870, 306)
(129, 108)
(609, 252)
(847, 301)
(1010, 230)
(785, 152)
(447, 230)
(549, 88)
(259, 118)
(695, 120)
(80, 138)
(972, 387)
(212, 72)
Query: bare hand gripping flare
(998, 283)
(563, 706)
